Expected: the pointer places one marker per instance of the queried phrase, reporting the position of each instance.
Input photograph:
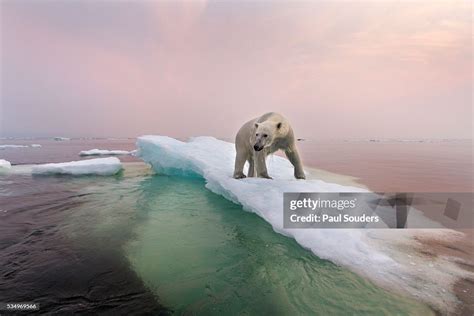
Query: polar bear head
(265, 134)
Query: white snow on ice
(36, 145)
(99, 166)
(103, 152)
(4, 165)
(384, 256)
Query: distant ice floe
(12, 146)
(19, 146)
(4, 165)
(98, 166)
(391, 258)
(103, 152)
(61, 138)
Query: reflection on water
(141, 242)
(430, 166)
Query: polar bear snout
(260, 142)
(257, 147)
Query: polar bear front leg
(240, 159)
(251, 172)
(260, 164)
(295, 160)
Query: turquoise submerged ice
(374, 254)
(202, 255)
(213, 160)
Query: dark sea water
(141, 243)
(47, 260)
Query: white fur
(261, 137)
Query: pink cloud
(203, 68)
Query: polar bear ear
(256, 125)
(279, 125)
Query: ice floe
(98, 166)
(4, 165)
(103, 152)
(19, 146)
(12, 146)
(61, 138)
(379, 254)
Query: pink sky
(339, 69)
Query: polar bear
(261, 137)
